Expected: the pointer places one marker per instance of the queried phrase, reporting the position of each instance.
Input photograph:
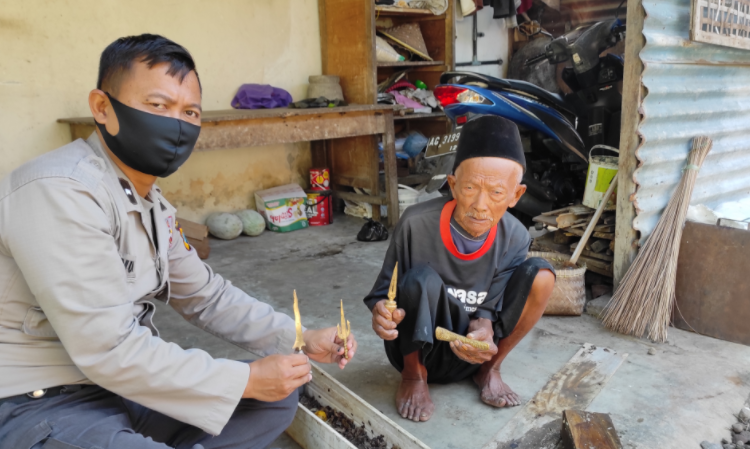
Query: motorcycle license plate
(442, 145)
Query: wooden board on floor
(584, 430)
(573, 387)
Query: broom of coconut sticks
(645, 298)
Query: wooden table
(240, 128)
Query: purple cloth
(257, 96)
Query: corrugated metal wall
(692, 89)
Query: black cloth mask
(150, 143)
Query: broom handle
(594, 221)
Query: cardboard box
(283, 207)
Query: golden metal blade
(343, 331)
(299, 342)
(390, 304)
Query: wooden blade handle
(443, 334)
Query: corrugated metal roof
(692, 89)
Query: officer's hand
(480, 330)
(324, 346)
(383, 323)
(275, 377)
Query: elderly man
(462, 266)
(87, 241)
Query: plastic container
(406, 197)
(602, 170)
(415, 143)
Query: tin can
(319, 209)
(320, 179)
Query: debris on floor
(740, 434)
(357, 435)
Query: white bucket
(406, 197)
(602, 170)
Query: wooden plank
(311, 432)
(224, 115)
(431, 115)
(600, 256)
(585, 430)
(192, 229)
(561, 238)
(255, 132)
(573, 387)
(267, 131)
(599, 246)
(547, 243)
(410, 63)
(396, 11)
(348, 47)
(391, 170)
(352, 196)
(569, 219)
(329, 391)
(598, 235)
(626, 245)
(556, 211)
(597, 266)
(545, 219)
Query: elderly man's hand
(324, 346)
(384, 323)
(480, 330)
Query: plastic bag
(372, 231)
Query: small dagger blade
(299, 341)
(394, 283)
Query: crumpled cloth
(258, 96)
(437, 7)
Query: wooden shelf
(394, 11)
(410, 64)
(418, 116)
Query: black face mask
(150, 143)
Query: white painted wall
(492, 46)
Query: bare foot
(413, 400)
(494, 391)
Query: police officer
(87, 242)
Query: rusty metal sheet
(713, 283)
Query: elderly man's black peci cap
(490, 136)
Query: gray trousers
(94, 418)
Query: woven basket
(569, 295)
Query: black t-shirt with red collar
(476, 280)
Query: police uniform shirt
(82, 257)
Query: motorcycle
(557, 131)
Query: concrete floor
(686, 393)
